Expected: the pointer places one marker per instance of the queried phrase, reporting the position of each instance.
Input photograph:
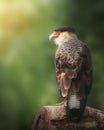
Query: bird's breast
(69, 52)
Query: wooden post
(55, 118)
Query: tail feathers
(76, 101)
(75, 113)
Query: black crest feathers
(65, 28)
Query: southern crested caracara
(73, 71)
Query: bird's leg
(61, 103)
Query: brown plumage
(73, 71)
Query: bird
(74, 71)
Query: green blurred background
(27, 73)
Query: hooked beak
(51, 36)
(54, 35)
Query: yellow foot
(61, 103)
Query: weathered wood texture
(55, 118)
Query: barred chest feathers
(70, 50)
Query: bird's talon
(61, 103)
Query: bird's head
(61, 34)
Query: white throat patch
(64, 36)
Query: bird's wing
(87, 69)
(65, 72)
(77, 74)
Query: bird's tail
(76, 102)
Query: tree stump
(55, 118)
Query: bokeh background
(27, 73)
